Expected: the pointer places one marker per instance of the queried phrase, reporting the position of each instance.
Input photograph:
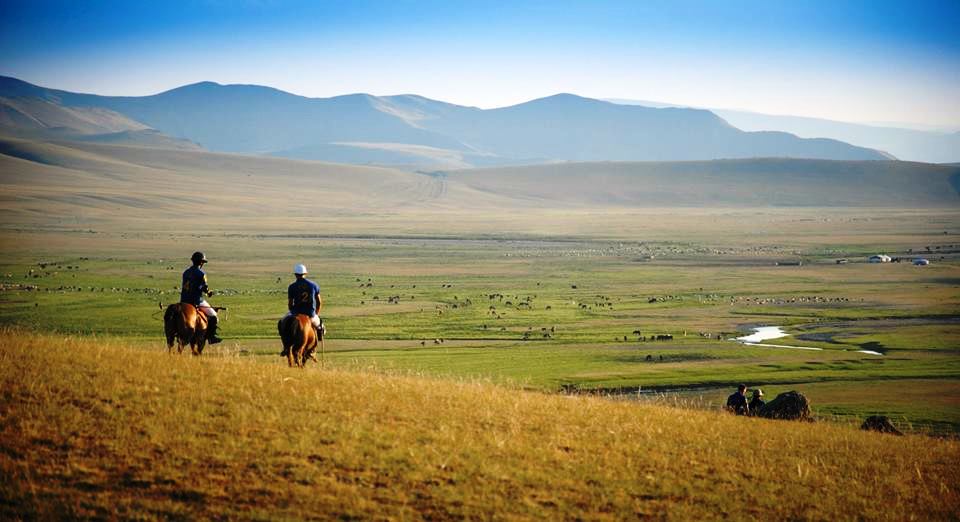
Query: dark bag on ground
(791, 405)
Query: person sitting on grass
(756, 403)
(192, 290)
(737, 401)
(303, 297)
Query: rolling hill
(738, 183)
(906, 144)
(63, 182)
(33, 113)
(91, 182)
(113, 431)
(414, 131)
(929, 146)
(37, 114)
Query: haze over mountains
(405, 130)
(906, 144)
(927, 145)
(77, 158)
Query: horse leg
(299, 356)
(170, 335)
(289, 350)
(311, 352)
(182, 339)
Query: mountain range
(405, 130)
(910, 144)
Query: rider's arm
(204, 289)
(319, 303)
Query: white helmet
(299, 269)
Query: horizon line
(945, 129)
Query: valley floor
(558, 313)
(452, 345)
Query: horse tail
(170, 313)
(170, 323)
(302, 338)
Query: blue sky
(870, 61)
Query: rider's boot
(212, 330)
(320, 331)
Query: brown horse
(299, 339)
(186, 324)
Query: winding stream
(763, 333)
(766, 333)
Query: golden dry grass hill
(91, 428)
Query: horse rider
(193, 289)
(303, 297)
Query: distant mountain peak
(206, 83)
(565, 98)
(561, 127)
(199, 86)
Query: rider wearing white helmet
(303, 297)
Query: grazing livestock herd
(500, 304)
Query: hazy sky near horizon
(851, 60)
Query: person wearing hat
(192, 290)
(303, 297)
(756, 403)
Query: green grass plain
(551, 312)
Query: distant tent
(880, 258)
(921, 261)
